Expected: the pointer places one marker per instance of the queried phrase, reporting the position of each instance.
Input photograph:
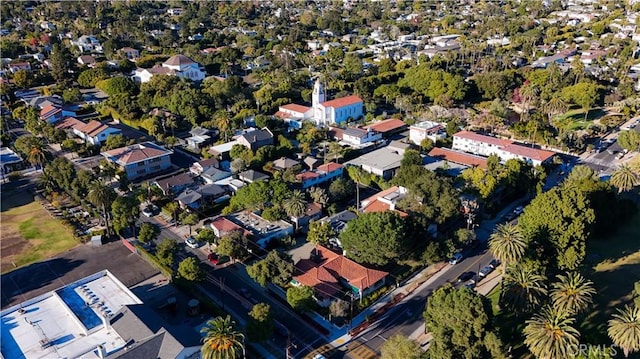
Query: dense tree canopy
(275, 268)
(375, 238)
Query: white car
(456, 258)
(147, 212)
(192, 242)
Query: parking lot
(38, 278)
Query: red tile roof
(296, 108)
(528, 152)
(324, 276)
(306, 175)
(92, 128)
(387, 125)
(135, 153)
(223, 225)
(379, 206)
(282, 115)
(342, 102)
(458, 157)
(49, 111)
(329, 167)
(381, 194)
(69, 122)
(482, 138)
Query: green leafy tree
(375, 238)
(71, 95)
(256, 194)
(101, 196)
(583, 94)
(629, 140)
(118, 86)
(320, 232)
(559, 220)
(60, 63)
(166, 250)
(234, 245)
(22, 79)
(339, 308)
(470, 335)
(88, 78)
(624, 329)
(572, 293)
(189, 219)
(550, 334)
(148, 232)
(400, 347)
(301, 298)
(37, 154)
(625, 178)
(124, 211)
(296, 204)
(260, 324)
(411, 157)
(115, 141)
(221, 340)
(523, 288)
(189, 269)
(341, 189)
(507, 244)
(206, 235)
(276, 268)
(433, 83)
(318, 195)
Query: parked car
(466, 276)
(192, 242)
(494, 263)
(485, 271)
(213, 258)
(471, 283)
(518, 210)
(147, 212)
(457, 258)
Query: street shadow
(35, 279)
(13, 199)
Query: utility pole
(289, 345)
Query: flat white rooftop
(69, 322)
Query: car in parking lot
(484, 271)
(457, 258)
(466, 276)
(192, 242)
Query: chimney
(102, 352)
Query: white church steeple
(319, 95)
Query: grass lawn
(615, 262)
(576, 116)
(30, 234)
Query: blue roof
(7, 156)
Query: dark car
(466, 276)
(485, 271)
(494, 263)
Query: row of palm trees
(550, 333)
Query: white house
(88, 43)
(426, 129)
(358, 137)
(505, 149)
(93, 132)
(177, 65)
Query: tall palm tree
(625, 178)
(528, 94)
(507, 244)
(37, 155)
(223, 123)
(221, 340)
(624, 329)
(550, 334)
(295, 205)
(555, 106)
(523, 288)
(101, 196)
(572, 293)
(318, 195)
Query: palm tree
(318, 195)
(37, 155)
(528, 93)
(572, 293)
(221, 340)
(335, 151)
(223, 123)
(555, 106)
(102, 196)
(507, 244)
(624, 329)
(295, 205)
(550, 334)
(624, 178)
(523, 289)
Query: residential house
(383, 162)
(195, 198)
(324, 173)
(311, 162)
(328, 272)
(18, 66)
(360, 138)
(40, 102)
(51, 113)
(87, 60)
(262, 230)
(95, 132)
(88, 43)
(458, 157)
(283, 164)
(312, 212)
(385, 201)
(130, 53)
(199, 137)
(141, 159)
(198, 167)
(222, 226)
(505, 149)
(214, 175)
(427, 129)
(175, 183)
(174, 11)
(177, 65)
(387, 127)
(250, 176)
(255, 138)
(338, 223)
(323, 112)
(222, 153)
(10, 161)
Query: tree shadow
(13, 199)
(35, 279)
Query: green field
(30, 234)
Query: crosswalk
(355, 350)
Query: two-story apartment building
(324, 173)
(426, 129)
(141, 159)
(505, 149)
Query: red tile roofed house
(324, 173)
(222, 226)
(505, 149)
(17, 66)
(340, 110)
(458, 157)
(51, 113)
(328, 272)
(95, 132)
(384, 201)
(387, 127)
(141, 159)
(69, 123)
